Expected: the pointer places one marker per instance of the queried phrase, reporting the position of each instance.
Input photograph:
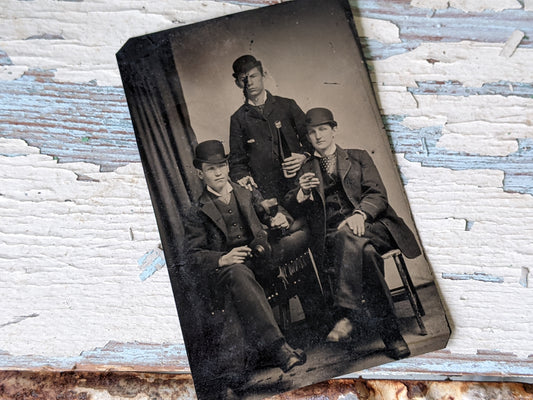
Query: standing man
(352, 225)
(263, 128)
(225, 242)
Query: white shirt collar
(225, 190)
(260, 101)
(330, 152)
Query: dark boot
(286, 358)
(396, 347)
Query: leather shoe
(341, 332)
(396, 347)
(287, 358)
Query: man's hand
(236, 256)
(291, 165)
(247, 182)
(308, 181)
(356, 223)
(279, 221)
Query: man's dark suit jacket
(206, 231)
(365, 190)
(254, 144)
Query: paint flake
(524, 277)
(512, 43)
(152, 261)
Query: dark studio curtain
(166, 142)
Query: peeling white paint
(482, 124)
(483, 138)
(468, 5)
(67, 255)
(528, 5)
(92, 32)
(11, 72)
(376, 29)
(470, 63)
(441, 200)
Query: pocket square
(250, 141)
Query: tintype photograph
(289, 241)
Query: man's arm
(263, 208)
(238, 158)
(373, 195)
(197, 246)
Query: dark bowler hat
(243, 64)
(319, 116)
(210, 151)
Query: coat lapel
(208, 208)
(343, 163)
(269, 105)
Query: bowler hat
(319, 116)
(243, 64)
(210, 151)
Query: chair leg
(411, 291)
(411, 285)
(284, 315)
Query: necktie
(327, 163)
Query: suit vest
(338, 206)
(238, 232)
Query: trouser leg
(251, 305)
(359, 269)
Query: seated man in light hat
(341, 190)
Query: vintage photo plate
(276, 291)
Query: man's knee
(372, 258)
(370, 251)
(236, 273)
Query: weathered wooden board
(75, 212)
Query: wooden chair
(407, 289)
(297, 277)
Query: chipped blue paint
(172, 358)
(455, 88)
(469, 225)
(72, 122)
(148, 356)
(524, 277)
(152, 261)
(476, 276)
(420, 145)
(4, 58)
(138, 354)
(418, 25)
(491, 370)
